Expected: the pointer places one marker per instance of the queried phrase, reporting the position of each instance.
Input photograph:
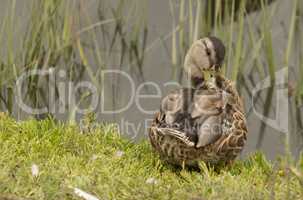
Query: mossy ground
(109, 167)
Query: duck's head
(204, 56)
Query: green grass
(68, 159)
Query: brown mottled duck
(205, 122)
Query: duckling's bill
(208, 75)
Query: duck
(205, 122)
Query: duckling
(175, 108)
(207, 114)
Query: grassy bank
(45, 160)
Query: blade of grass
(191, 21)
(230, 40)
(239, 45)
(266, 20)
(174, 51)
(197, 20)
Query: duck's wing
(206, 103)
(235, 134)
(209, 130)
(170, 132)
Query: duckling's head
(205, 55)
